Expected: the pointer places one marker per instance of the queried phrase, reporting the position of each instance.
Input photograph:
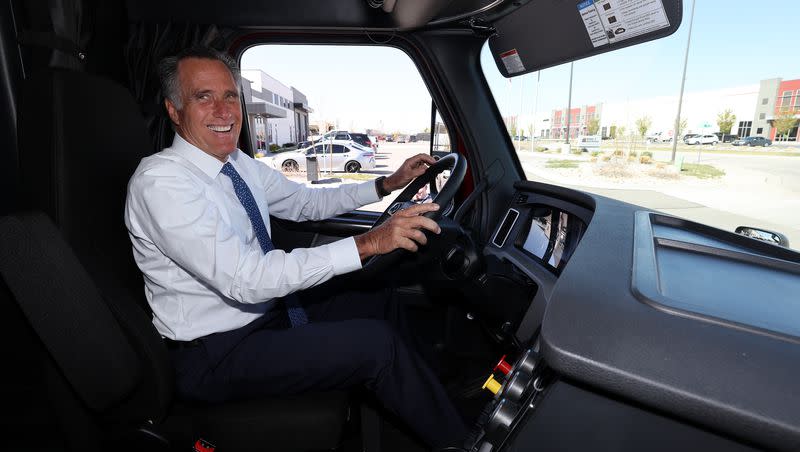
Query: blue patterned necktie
(297, 315)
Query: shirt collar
(207, 164)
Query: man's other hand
(401, 230)
(412, 168)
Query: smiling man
(226, 301)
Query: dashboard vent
(505, 228)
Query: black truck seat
(81, 137)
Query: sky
(733, 44)
(360, 86)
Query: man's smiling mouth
(220, 128)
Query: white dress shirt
(203, 267)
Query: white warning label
(609, 21)
(512, 61)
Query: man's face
(211, 117)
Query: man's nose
(223, 109)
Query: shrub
(665, 172)
(540, 148)
(595, 153)
(645, 159)
(274, 147)
(576, 151)
(288, 145)
(259, 154)
(561, 164)
(616, 169)
(632, 154)
(647, 154)
(618, 153)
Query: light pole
(519, 115)
(569, 103)
(535, 104)
(683, 82)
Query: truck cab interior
(560, 319)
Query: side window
(389, 102)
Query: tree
(643, 125)
(784, 122)
(620, 133)
(682, 125)
(530, 131)
(725, 121)
(593, 125)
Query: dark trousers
(353, 340)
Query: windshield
(642, 151)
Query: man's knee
(378, 343)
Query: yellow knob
(491, 384)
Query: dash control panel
(515, 388)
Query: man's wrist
(364, 246)
(380, 187)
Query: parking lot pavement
(747, 195)
(741, 203)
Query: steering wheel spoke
(456, 168)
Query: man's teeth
(221, 128)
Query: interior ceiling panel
(261, 13)
(341, 14)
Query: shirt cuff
(344, 256)
(367, 192)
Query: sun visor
(546, 33)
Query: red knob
(503, 366)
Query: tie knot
(229, 170)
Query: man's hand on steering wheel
(402, 230)
(403, 225)
(412, 168)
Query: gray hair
(168, 70)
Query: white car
(708, 138)
(374, 140)
(347, 157)
(334, 135)
(659, 137)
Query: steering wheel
(458, 169)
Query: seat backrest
(80, 140)
(60, 300)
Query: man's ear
(173, 112)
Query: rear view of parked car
(362, 139)
(726, 137)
